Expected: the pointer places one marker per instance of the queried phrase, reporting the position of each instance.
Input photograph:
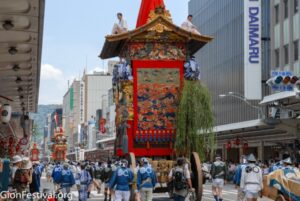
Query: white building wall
(97, 86)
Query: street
(229, 193)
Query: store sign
(102, 125)
(252, 49)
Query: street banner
(252, 49)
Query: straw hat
(16, 159)
(26, 164)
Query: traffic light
(294, 79)
(282, 80)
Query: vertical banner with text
(252, 49)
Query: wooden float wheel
(197, 179)
(280, 198)
(132, 164)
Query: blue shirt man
(66, 181)
(122, 179)
(146, 180)
(56, 173)
(84, 179)
(36, 179)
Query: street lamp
(239, 96)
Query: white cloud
(50, 72)
(54, 84)
(96, 69)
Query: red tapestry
(157, 98)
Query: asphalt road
(229, 193)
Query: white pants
(122, 195)
(218, 183)
(146, 194)
(117, 29)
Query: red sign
(102, 125)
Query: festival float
(157, 90)
(34, 154)
(282, 185)
(59, 147)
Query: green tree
(195, 121)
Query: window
(296, 50)
(296, 6)
(286, 9)
(277, 58)
(286, 54)
(276, 14)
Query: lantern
(237, 141)
(34, 153)
(228, 145)
(245, 147)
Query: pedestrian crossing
(227, 195)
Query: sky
(74, 32)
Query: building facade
(95, 86)
(72, 113)
(285, 35)
(238, 124)
(222, 60)
(80, 105)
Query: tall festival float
(15, 135)
(158, 94)
(59, 142)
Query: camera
(5, 113)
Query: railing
(104, 136)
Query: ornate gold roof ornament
(159, 12)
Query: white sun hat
(16, 159)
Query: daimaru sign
(252, 49)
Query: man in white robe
(121, 26)
(188, 25)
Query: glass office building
(222, 61)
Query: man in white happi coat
(251, 180)
(189, 26)
(121, 26)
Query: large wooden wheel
(280, 198)
(197, 179)
(132, 164)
